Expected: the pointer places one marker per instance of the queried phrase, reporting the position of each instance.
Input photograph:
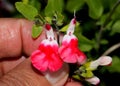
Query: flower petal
(47, 56)
(56, 62)
(105, 60)
(37, 59)
(66, 55)
(71, 26)
(69, 50)
(94, 80)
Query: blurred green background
(98, 30)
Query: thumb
(23, 75)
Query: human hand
(16, 45)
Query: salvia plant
(85, 47)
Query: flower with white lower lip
(69, 50)
(47, 56)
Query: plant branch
(106, 22)
(111, 49)
(111, 13)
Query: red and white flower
(47, 56)
(69, 50)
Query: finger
(24, 75)
(7, 65)
(15, 35)
(11, 42)
(9, 37)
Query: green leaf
(25, 1)
(83, 39)
(84, 43)
(54, 6)
(115, 67)
(116, 27)
(28, 11)
(74, 5)
(64, 29)
(95, 8)
(116, 14)
(48, 19)
(36, 4)
(36, 31)
(85, 47)
(102, 19)
(60, 19)
(104, 41)
(108, 4)
(76, 77)
(87, 74)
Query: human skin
(16, 46)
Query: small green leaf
(25, 1)
(116, 14)
(85, 47)
(102, 19)
(87, 66)
(95, 8)
(64, 29)
(28, 11)
(76, 77)
(53, 6)
(60, 19)
(36, 31)
(83, 39)
(115, 67)
(36, 4)
(84, 43)
(116, 27)
(87, 74)
(74, 5)
(48, 19)
(104, 41)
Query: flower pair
(50, 56)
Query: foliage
(97, 31)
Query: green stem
(42, 18)
(106, 22)
(58, 33)
(111, 49)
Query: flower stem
(58, 33)
(111, 49)
(42, 18)
(105, 23)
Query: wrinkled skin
(16, 45)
